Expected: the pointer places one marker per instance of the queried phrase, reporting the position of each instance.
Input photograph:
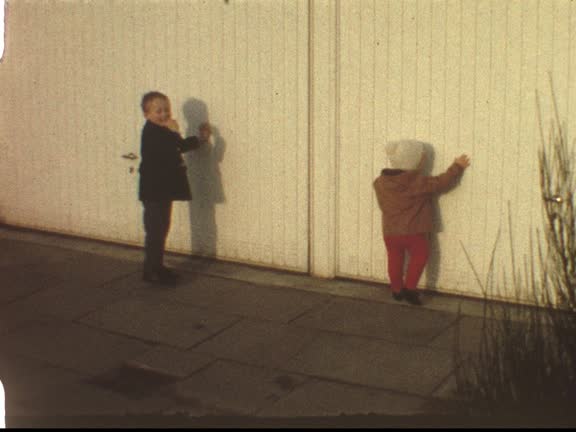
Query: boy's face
(158, 111)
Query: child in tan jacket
(405, 198)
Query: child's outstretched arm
(193, 142)
(443, 182)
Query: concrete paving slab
(134, 383)
(366, 290)
(448, 389)
(241, 298)
(36, 389)
(73, 346)
(85, 268)
(119, 251)
(14, 316)
(17, 284)
(193, 409)
(454, 304)
(72, 299)
(319, 398)
(170, 361)
(38, 266)
(164, 322)
(471, 352)
(237, 389)
(375, 291)
(465, 335)
(403, 324)
(374, 363)
(67, 242)
(258, 342)
(23, 254)
(278, 278)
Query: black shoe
(412, 297)
(159, 277)
(166, 272)
(398, 296)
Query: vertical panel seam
(490, 123)
(359, 138)
(311, 224)
(460, 78)
(371, 270)
(336, 154)
(259, 122)
(272, 115)
(284, 146)
(521, 79)
(445, 73)
(415, 132)
(475, 85)
(474, 103)
(402, 70)
(387, 68)
(237, 236)
(430, 71)
(569, 65)
(553, 35)
(531, 218)
(505, 114)
(298, 155)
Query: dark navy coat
(162, 170)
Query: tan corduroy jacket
(405, 198)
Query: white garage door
(71, 83)
(461, 76)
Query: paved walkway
(83, 339)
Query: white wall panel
(462, 76)
(73, 76)
(382, 113)
(324, 95)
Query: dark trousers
(417, 248)
(157, 215)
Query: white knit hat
(404, 154)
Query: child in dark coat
(163, 179)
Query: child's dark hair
(149, 97)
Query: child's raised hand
(172, 125)
(463, 161)
(205, 131)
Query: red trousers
(417, 247)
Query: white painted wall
(71, 84)
(303, 95)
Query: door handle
(130, 156)
(554, 198)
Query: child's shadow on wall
(433, 266)
(205, 180)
